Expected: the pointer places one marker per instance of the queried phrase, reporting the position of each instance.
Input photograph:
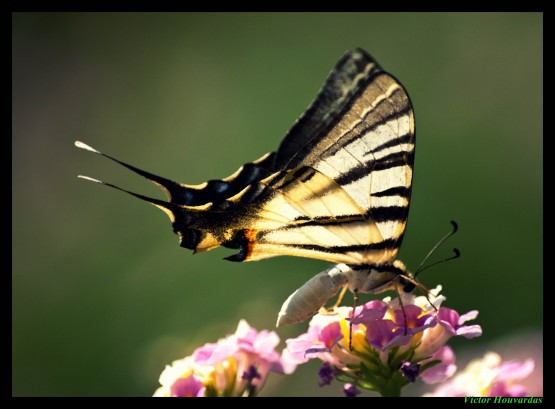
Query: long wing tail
(197, 212)
(213, 191)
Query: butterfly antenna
(457, 255)
(439, 243)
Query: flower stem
(390, 390)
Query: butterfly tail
(173, 190)
(212, 191)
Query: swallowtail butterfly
(337, 189)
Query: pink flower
(442, 371)
(450, 324)
(187, 387)
(180, 380)
(371, 311)
(237, 365)
(488, 376)
(386, 336)
(323, 335)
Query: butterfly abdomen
(314, 294)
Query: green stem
(391, 389)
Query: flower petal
(331, 334)
(469, 331)
(488, 376)
(295, 352)
(371, 311)
(384, 334)
(187, 387)
(449, 316)
(245, 331)
(442, 371)
(470, 315)
(515, 370)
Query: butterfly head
(377, 278)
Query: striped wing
(369, 151)
(337, 188)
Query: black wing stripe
(381, 114)
(358, 172)
(394, 191)
(390, 161)
(344, 220)
(334, 98)
(383, 245)
(388, 213)
(403, 139)
(390, 113)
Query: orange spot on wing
(250, 235)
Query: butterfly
(337, 188)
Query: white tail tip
(82, 145)
(90, 179)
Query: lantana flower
(489, 376)
(390, 343)
(237, 365)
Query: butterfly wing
(344, 193)
(366, 143)
(337, 189)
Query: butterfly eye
(409, 288)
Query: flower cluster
(237, 365)
(488, 376)
(380, 346)
(385, 344)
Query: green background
(103, 296)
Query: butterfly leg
(423, 289)
(340, 298)
(331, 310)
(352, 317)
(402, 306)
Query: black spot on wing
(217, 191)
(253, 193)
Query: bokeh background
(102, 295)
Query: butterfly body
(337, 189)
(315, 293)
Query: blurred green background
(103, 296)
